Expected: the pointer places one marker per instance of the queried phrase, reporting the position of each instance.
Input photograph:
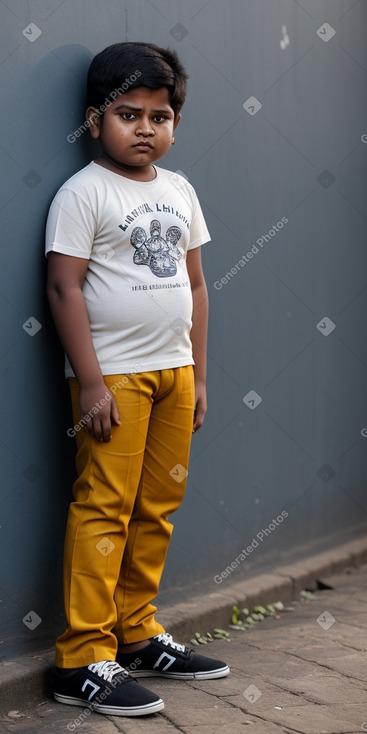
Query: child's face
(136, 128)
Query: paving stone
(311, 719)
(317, 650)
(219, 714)
(311, 680)
(355, 615)
(327, 688)
(53, 718)
(250, 726)
(355, 713)
(352, 666)
(154, 724)
(271, 697)
(225, 688)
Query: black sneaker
(169, 659)
(107, 688)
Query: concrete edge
(214, 609)
(25, 681)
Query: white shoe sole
(148, 708)
(200, 675)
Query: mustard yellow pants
(117, 530)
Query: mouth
(143, 145)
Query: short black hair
(124, 66)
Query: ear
(176, 120)
(94, 119)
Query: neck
(138, 173)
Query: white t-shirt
(135, 235)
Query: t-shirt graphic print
(159, 253)
(136, 236)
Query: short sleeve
(71, 225)
(199, 233)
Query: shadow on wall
(43, 108)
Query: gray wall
(300, 158)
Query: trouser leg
(97, 526)
(118, 511)
(160, 493)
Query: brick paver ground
(305, 672)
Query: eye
(127, 116)
(159, 118)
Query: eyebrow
(139, 109)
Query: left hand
(200, 406)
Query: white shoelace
(167, 640)
(106, 669)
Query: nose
(144, 127)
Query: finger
(198, 420)
(85, 421)
(106, 429)
(106, 425)
(97, 429)
(115, 414)
(88, 424)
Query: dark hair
(123, 66)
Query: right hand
(99, 410)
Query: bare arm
(198, 332)
(64, 290)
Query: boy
(129, 301)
